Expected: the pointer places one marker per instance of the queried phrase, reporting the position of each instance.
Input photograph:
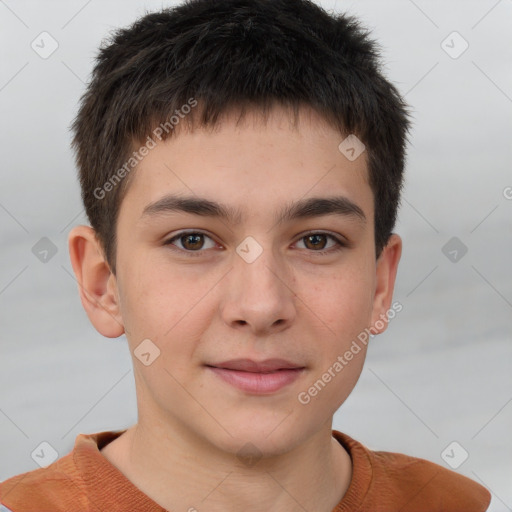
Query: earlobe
(387, 266)
(96, 284)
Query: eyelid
(337, 236)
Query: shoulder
(401, 482)
(60, 487)
(425, 482)
(54, 488)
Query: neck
(181, 473)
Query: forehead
(253, 166)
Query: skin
(210, 305)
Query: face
(279, 264)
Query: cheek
(170, 308)
(343, 302)
(155, 296)
(161, 305)
(345, 307)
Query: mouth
(254, 377)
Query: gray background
(442, 372)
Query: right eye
(190, 241)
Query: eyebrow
(304, 208)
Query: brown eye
(191, 241)
(319, 243)
(316, 241)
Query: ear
(96, 283)
(387, 266)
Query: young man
(241, 164)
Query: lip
(249, 365)
(262, 377)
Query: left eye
(318, 241)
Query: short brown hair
(226, 54)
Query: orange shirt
(85, 481)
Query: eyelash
(340, 244)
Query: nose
(259, 296)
